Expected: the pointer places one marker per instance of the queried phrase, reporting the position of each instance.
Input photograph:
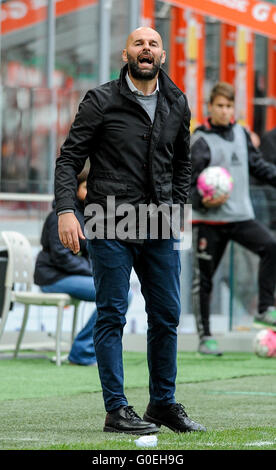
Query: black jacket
(130, 158)
(55, 262)
(268, 146)
(200, 156)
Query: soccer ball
(214, 181)
(265, 343)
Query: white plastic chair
(20, 270)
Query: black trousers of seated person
(209, 244)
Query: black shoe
(173, 416)
(125, 420)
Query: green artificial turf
(47, 407)
(30, 378)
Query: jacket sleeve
(200, 156)
(258, 167)
(77, 147)
(182, 167)
(63, 258)
(268, 146)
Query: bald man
(135, 131)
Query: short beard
(139, 74)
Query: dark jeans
(210, 242)
(82, 287)
(157, 265)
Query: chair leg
(58, 333)
(22, 330)
(74, 324)
(5, 311)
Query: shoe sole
(258, 324)
(161, 423)
(139, 433)
(146, 417)
(205, 357)
(210, 354)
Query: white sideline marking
(237, 392)
(19, 439)
(260, 443)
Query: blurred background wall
(51, 53)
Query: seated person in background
(58, 269)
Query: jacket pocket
(109, 188)
(164, 192)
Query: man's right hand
(70, 231)
(212, 203)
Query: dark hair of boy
(222, 89)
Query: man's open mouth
(145, 59)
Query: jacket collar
(137, 92)
(166, 85)
(207, 126)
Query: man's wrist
(66, 211)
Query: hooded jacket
(54, 262)
(130, 158)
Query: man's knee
(205, 284)
(270, 248)
(164, 318)
(113, 315)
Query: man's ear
(163, 57)
(124, 55)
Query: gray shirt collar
(134, 90)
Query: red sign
(254, 14)
(17, 14)
(147, 10)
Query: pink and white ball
(214, 181)
(265, 343)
